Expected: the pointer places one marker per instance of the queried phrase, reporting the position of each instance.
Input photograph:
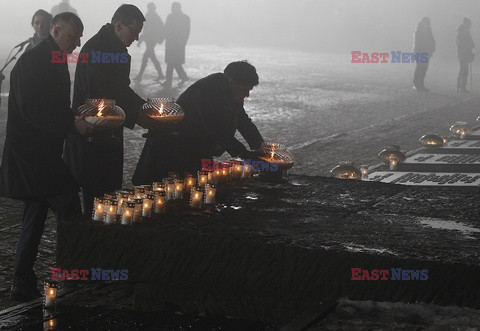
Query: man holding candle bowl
(32, 169)
(214, 111)
(98, 165)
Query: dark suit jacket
(39, 118)
(211, 120)
(98, 165)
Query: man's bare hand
(147, 122)
(82, 126)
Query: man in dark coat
(424, 43)
(177, 29)
(214, 111)
(153, 33)
(465, 46)
(98, 165)
(32, 169)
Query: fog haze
(313, 25)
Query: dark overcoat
(465, 44)
(177, 31)
(98, 165)
(39, 117)
(153, 30)
(211, 121)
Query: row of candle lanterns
(131, 205)
(392, 154)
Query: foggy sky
(335, 26)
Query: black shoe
(24, 294)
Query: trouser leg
(169, 76)
(65, 206)
(154, 59)
(463, 75)
(34, 216)
(181, 72)
(143, 65)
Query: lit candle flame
(52, 292)
(160, 111)
(101, 107)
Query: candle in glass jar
(139, 191)
(173, 174)
(247, 170)
(98, 209)
(128, 208)
(210, 191)
(196, 196)
(169, 188)
(110, 211)
(50, 291)
(148, 200)
(236, 170)
(178, 194)
(121, 197)
(108, 196)
(147, 189)
(158, 186)
(137, 211)
(393, 163)
(202, 178)
(50, 324)
(131, 193)
(364, 171)
(212, 177)
(159, 202)
(190, 182)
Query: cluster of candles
(131, 205)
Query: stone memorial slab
(432, 162)
(426, 178)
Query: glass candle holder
(109, 196)
(147, 189)
(202, 178)
(159, 202)
(247, 170)
(121, 197)
(139, 191)
(148, 200)
(158, 186)
(131, 193)
(137, 211)
(190, 181)
(110, 215)
(98, 209)
(128, 209)
(196, 197)
(178, 193)
(212, 177)
(364, 171)
(50, 294)
(210, 192)
(173, 174)
(169, 188)
(50, 324)
(236, 170)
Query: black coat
(465, 44)
(153, 30)
(211, 121)
(177, 31)
(98, 165)
(39, 118)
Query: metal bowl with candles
(431, 140)
(163, 110)
(459, 129)
(102, 113)
(390, 153)
(346, 170)
(277, 154)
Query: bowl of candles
(277, 154)
(346, 170)
(102, 113)
(431, 140)
(163, 110)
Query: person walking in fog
(153, 33)
(465, 46)
(177, 29)
(41, 21)
(32, 169)
(63, 7)
(424, 43)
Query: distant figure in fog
(153, 33)
(63, 7)
(41, 21)
(177, 29)
(465, 53)
(424, 43)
